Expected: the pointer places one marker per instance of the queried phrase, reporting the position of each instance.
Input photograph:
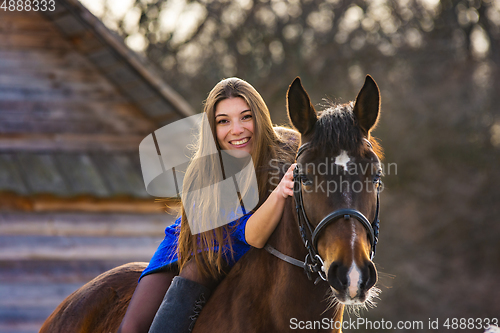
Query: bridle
(313, 262)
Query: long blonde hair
(205, 169)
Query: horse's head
(339, 173)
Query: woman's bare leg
(145, 302)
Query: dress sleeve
(174, 228)
(238, 234)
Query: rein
(313, 263)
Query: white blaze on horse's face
(342, 159)
(354, 277)
(354, 274)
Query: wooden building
(75, 103)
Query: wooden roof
(75, 103)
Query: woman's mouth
(239, 143)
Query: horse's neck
(307, 298)
(286, 237)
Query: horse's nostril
(337, 276)
(372, 276)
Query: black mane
(336, 130)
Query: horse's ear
(367, 107)
(300, 110)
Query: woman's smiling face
(234, 124)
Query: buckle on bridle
(314, 264)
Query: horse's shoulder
(234, 295)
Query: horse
(325, 234)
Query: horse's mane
(336, 130)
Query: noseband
(313, 262)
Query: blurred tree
(329, 43)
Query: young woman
(239, 123)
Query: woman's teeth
(239, 142)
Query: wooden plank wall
(65, 128)
(48, 87)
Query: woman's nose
(237, 128)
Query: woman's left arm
(262, 223)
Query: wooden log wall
(67, 129)
(46, 86)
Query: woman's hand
(285, 187)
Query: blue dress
(166, 254)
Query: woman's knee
(129, 327)
(191, 272)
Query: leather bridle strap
(346, 214)
(284, 257)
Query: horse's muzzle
(352, 283)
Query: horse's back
(99, 305)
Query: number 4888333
(28, 5)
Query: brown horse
(336, 186)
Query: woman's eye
(246, 117)
(222, 121)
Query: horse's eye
(377, 181)
(377, 178)
(305, 180)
